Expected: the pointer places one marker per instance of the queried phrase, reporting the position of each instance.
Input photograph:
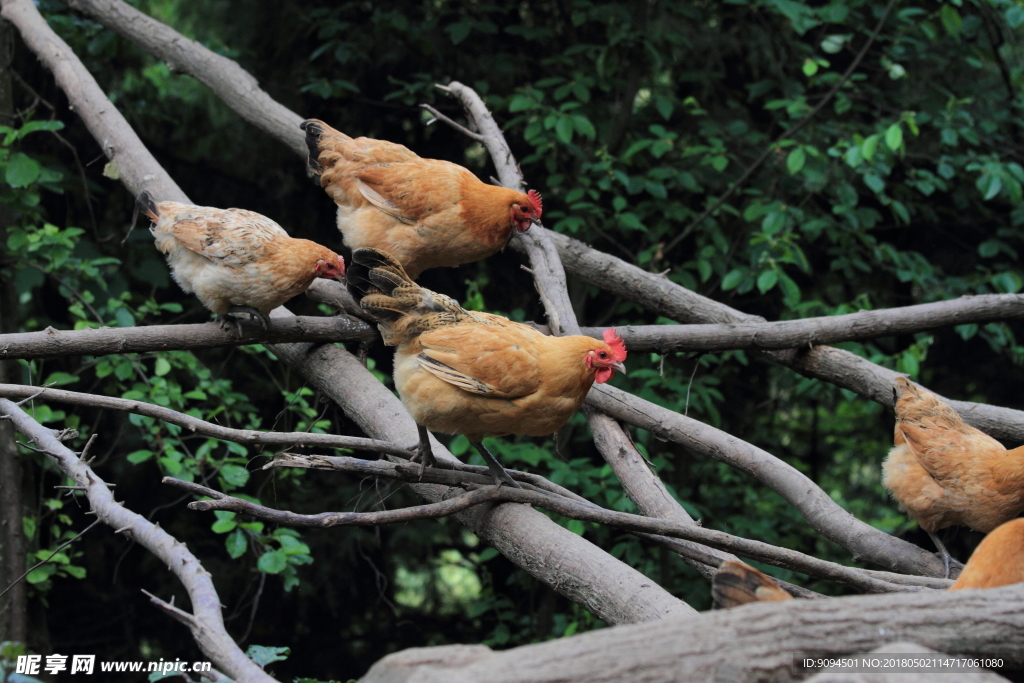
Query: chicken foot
(423, 453)
(497, 471)
(234, 316)
(947, 559)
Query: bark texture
(753, 643)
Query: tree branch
(640, 483)
(197, 426)
(863, 540)
(224, 76)
(207, 624)
(750, 644)
(794, 334)
(585, 511)
(136, 166)
(106, 340)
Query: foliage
(632, 120)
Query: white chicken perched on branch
(236, 261)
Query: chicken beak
(535, 221)
(618, 367)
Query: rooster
(236, 261)
(424, 212)
(943, 472)
(997, 561)
(478, 374)
(737, 583)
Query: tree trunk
(14, 623)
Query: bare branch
(641, 484)
(448, 473)
(457, 126)
(585, 511)
(824, 514)
(197, 426)
(106, 340)
(208, 621)
(135, 165)
(791, 334)
(222, 75)
(446, 507)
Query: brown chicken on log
(424, 212)
(478, 374)
(943, 472)
(236, 261)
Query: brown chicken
(737, 583)
(478, 374)
(943, 472)
(997, 561)
(235, 260)
(424, 212)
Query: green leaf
(564, 129)
(1014, 16)
(272, 562)
(874, 181)
(719, 163)
(41, 573)
(810, 67)
(868, 147)
(733, 279)
(767, 280)
(583, 126)
(236, 543)
(234, 476)
(951, 20)
(135, 457)
(60, 378)
(833, 44)
(989, 185)
(162, 367)
(796, 160)
(22, 170)
(459, 31)
(28, 526)
(521, 103)
(894, 137)
(773, 223)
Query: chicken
(235, 260)
(997, 561)
(737, 583)
(943, 472)
(478, 374)
(424, 212)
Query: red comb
(612, 339)
(537, 201)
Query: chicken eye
(603, 354)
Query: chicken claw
(254, 314)
(497, 471)
(423, 454)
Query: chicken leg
(254, 314)
(497, 471)
(946, 558)
(424, 455)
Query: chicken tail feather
(314, 129)
(401, 308)
(145, 203)
(737, 583)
